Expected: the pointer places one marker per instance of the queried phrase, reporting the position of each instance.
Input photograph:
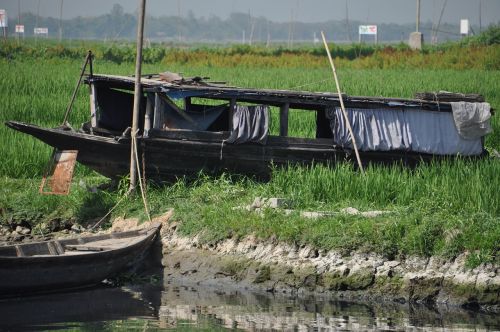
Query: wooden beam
(148, 115)
(284, 119)
(232, 107)
(93, 106)
(187, 103)
(158, 113)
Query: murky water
(151, 308)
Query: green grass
(443, 208)
(38, 92)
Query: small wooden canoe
(71, 263)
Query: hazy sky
(369, 11)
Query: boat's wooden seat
(102, 245)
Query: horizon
(370, 12)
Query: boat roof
(197, 87)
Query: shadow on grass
(95, 206)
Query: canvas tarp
(250, 124)
(472, 119)
(172, 117)
(408, 130)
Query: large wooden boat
(71, 263)
(189, 125)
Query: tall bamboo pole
(137, 94)
(342, 103)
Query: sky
(367, 11)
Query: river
(186, 308)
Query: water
(177, 308)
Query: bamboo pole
(73, 96)
(342, 103)
(137, 93)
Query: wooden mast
(137, 94)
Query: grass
(438, 209)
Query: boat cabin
(192, 108)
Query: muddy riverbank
(282, 268)
(250, 263)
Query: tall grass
(38, 92)
(442, 208)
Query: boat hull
(176, 155)
(49, 273)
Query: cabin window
(115, 107)
(178, 114)
(301, 123)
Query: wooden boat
(188, 125)
(71, 263)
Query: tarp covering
(472, 119)
(172, 117)
(408, 130)
(250, 124)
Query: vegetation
(119, 25)
(481, 52)
(443, 208)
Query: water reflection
(70, 309)
(191, 308)
(252, 311)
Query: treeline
(237, 28)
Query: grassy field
(443, 209)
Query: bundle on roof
(445, 96)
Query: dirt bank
(284, 268)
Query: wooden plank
(148, 115)
(81, 247)
(93, 106)
(19, 251)
(158, 113)
(57, 180)
(232, 107)
(59, 247)
(52, 248)
(277, 97)
(284, 119)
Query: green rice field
(438, 209)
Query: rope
(112, 209)
(134, 144)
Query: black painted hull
(169, 157)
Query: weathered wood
(148, 115)
(182, 155)
(82, 247)
(284, 119)
(93, 106)
(158, 119)
(187, 103)
(41, 266)
(19, 251)
(57, 180)
(297, 99)
(232, 107)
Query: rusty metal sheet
(57, 179)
